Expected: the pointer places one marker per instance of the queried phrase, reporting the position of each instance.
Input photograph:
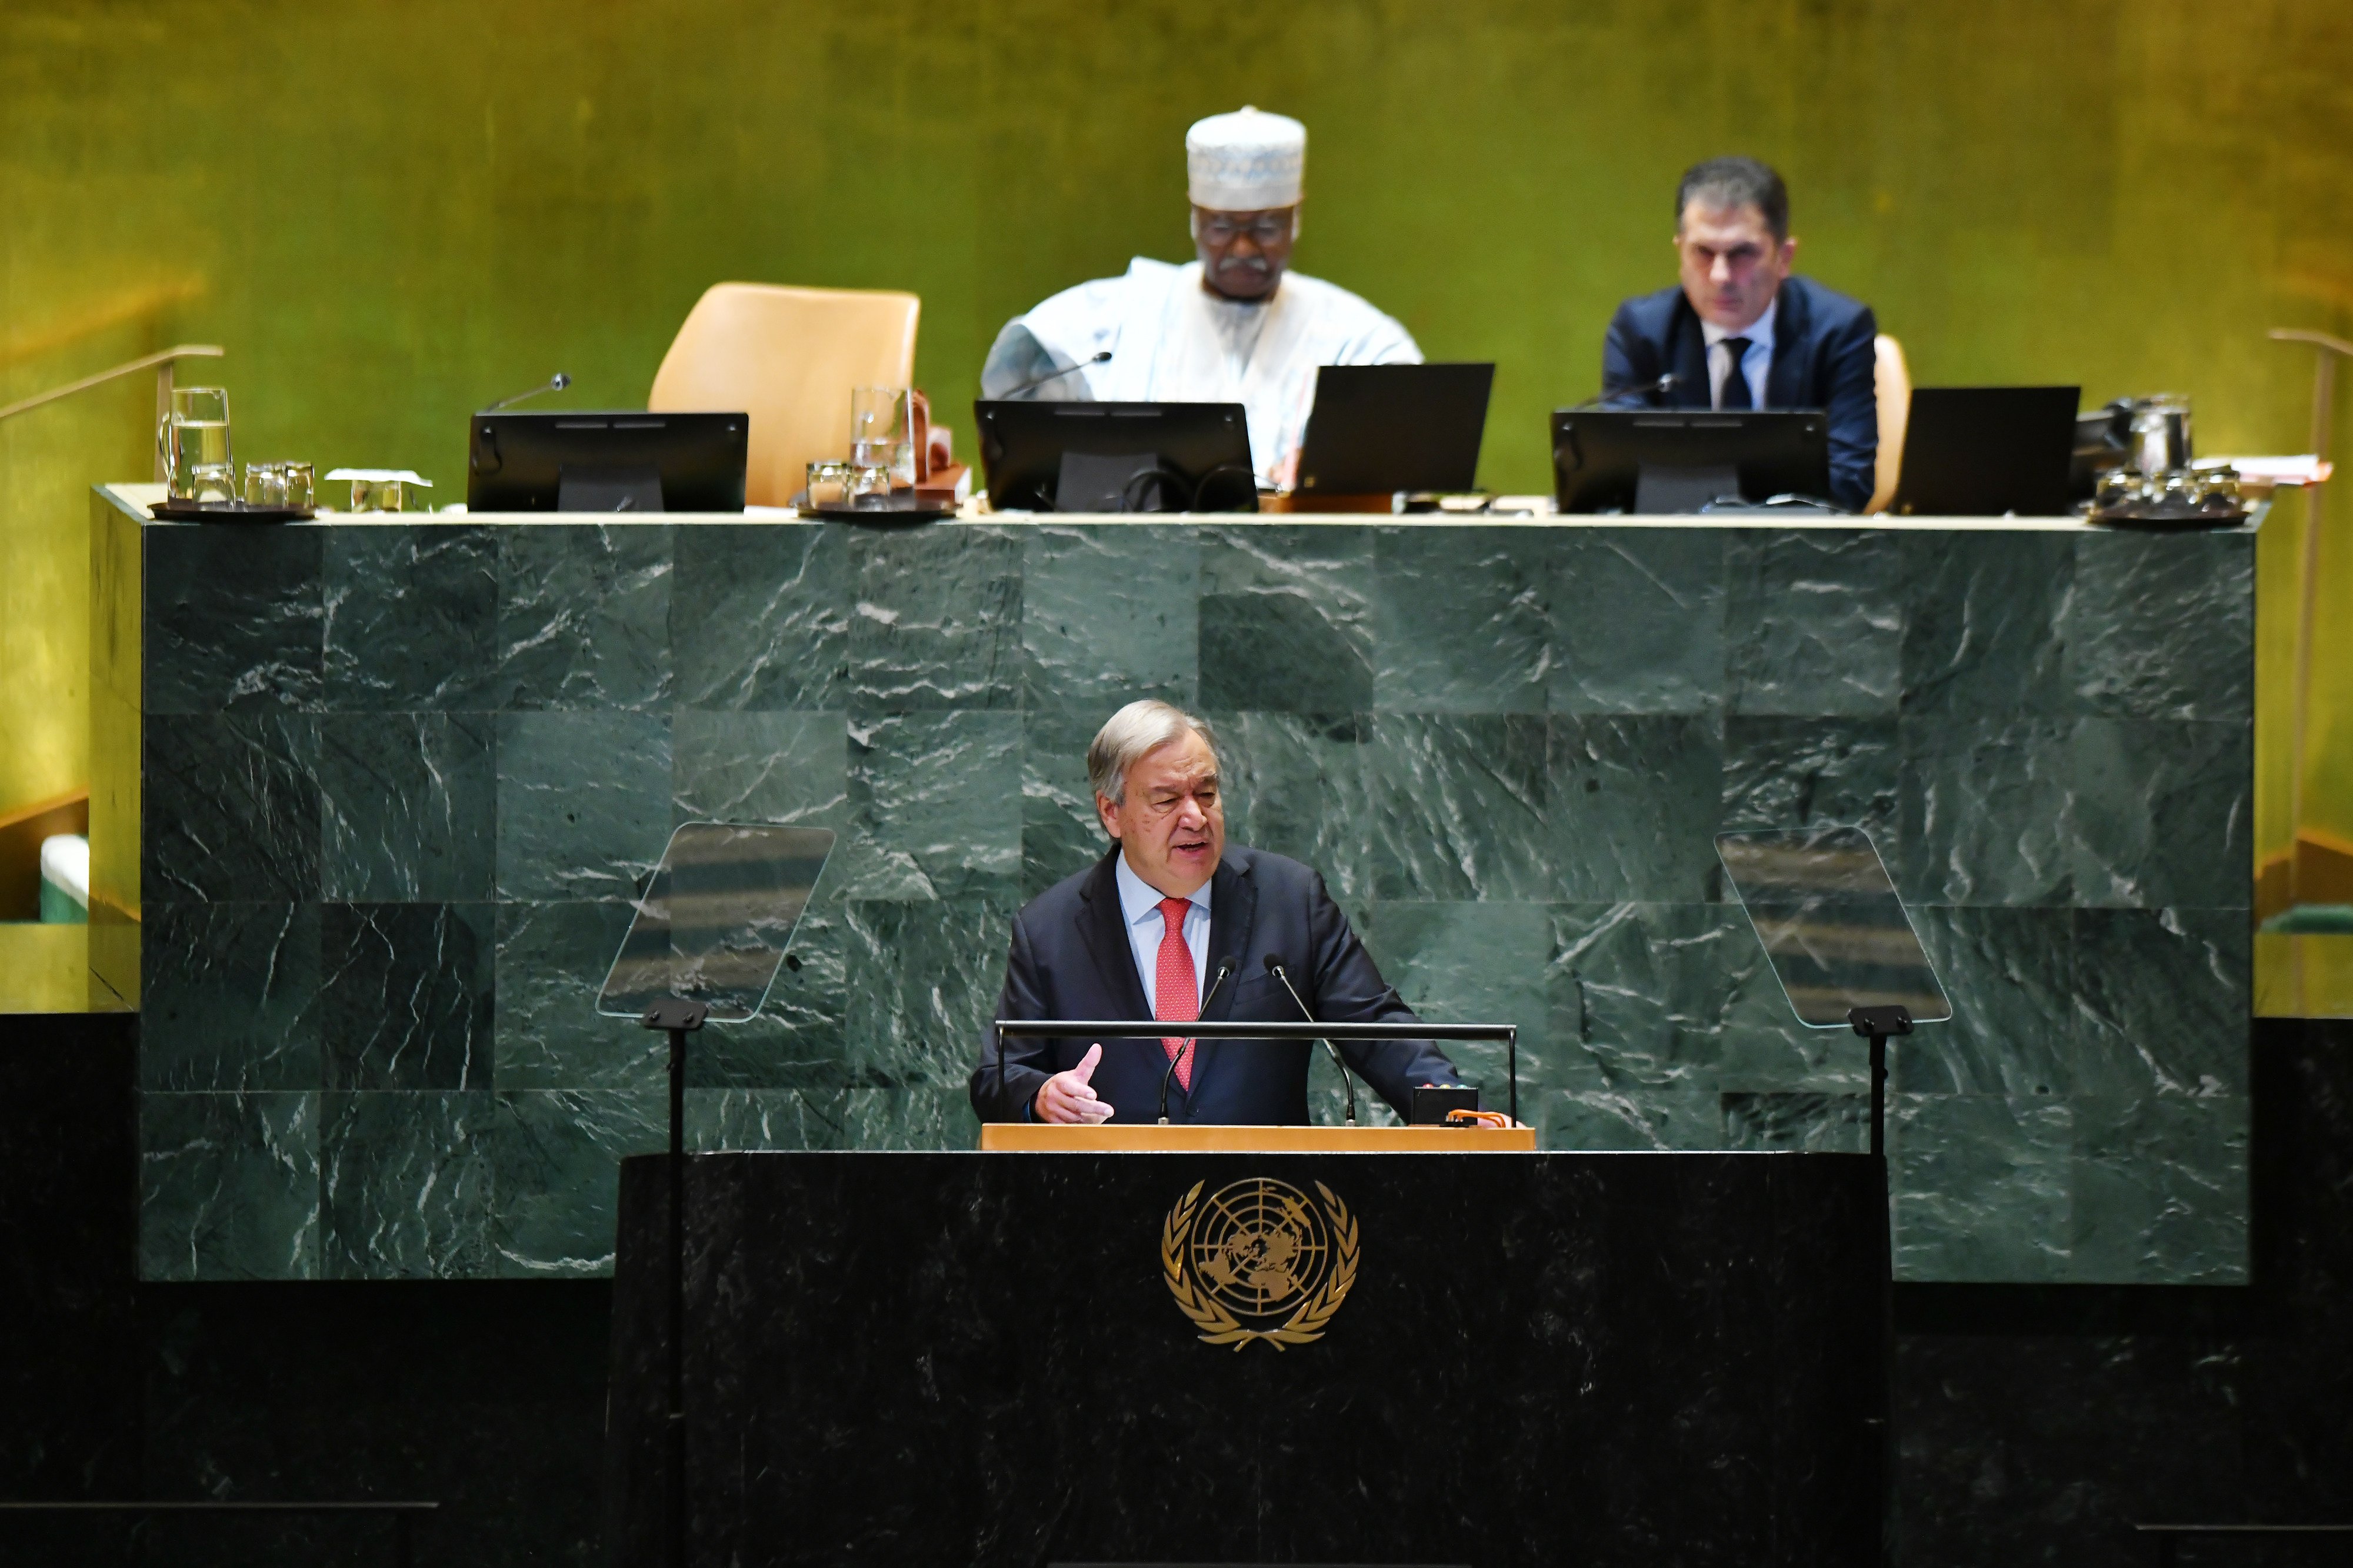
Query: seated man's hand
(1067, 1097)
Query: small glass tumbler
(212, 482)
(882, 431)
(299, 487)
(828, 484)
(265, 484)
(870, 485)
(379, 495)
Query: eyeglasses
(1272, 228)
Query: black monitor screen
(1116, 457)
(1671, 461)
(606, 462)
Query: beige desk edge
(1038, 1138)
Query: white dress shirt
(1755, 365)
(1139, 900)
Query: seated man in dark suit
(1171, 909)
(1797, 345)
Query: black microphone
(1226, 966)
(555, 383)
(1102, 358)
(1650, 391)
(1274, 967)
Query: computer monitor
(1666, 461)
(1379, 428)
(606, 462)
(1116, 457)
(1982, 451)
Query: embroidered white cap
(1248, 160)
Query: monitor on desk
(1377, 429)
(1983, 451)
(1116, 457)
(606, 462)
(1673, 461)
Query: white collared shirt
(1755, 364)
(1139, 901)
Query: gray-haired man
(1173, 925)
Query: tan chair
(1892, 382)
(788, 357)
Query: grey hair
(1133, 733)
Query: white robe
(1172, 341)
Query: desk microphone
(555, 383)
(1650, 391)
(1226, 966)
(1102, 358)
(1274, 967)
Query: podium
(1106, 1138)
(981, 1358)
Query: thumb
(1086, 1068)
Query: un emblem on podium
(1259, 1260)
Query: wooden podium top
(1050, 1138)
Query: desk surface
(1039, 1138)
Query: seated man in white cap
(1234, 326)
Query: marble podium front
(371, 797)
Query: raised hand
(1067, 1097)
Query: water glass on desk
(192, 440)
(882, 431)
(828, 484)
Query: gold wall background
(390, 214)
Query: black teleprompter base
(928, 1358)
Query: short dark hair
(1731, 183)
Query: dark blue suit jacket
(1823, 357)
(1071, 959)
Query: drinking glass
(868, 482)
(882, 431)
(194, 435)
(299, 487)
(828, 484)
(265, 484)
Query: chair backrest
(1892, 381)
(788, 358)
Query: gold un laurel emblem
(1259, 1260)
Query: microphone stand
(1274, 967)
(1031, 386)
(555, 383)
(1650, 391)
(1226, 966)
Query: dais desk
(1047, 1138)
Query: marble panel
(1474, 964)
(229, 996)
(760, 615)
(2159, 1192)
(2161, 1003)
(412, 618)
(1301, 785)
(229, 806)
(1801, 1123)
(555, 1161)
(935, 620)
(409, 805)
(797, 1040)
(1813, 621)
(1061, 834)
(760, 766)
(1602, 1119)
(405, 1185)
(917, 1116)
(2162, 625)
(405, 998)
(1983, 807)
(546, 1033)
(2011, 976)
(1983, 1187)
(2162, 813)
(1635, 799)
(584, 803)
(1461, 620)
(925, 979)
(584, 616)
(935, 804)
(229, 1186)
(1813, 772)
(1765, 1049)
(813, 1119)
(1286, 618)
(1110, 614)
(1639, 996)
(234, 619)
(1981, 624)
(1459, 805)
(1638, 621)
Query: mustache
(1243, 263)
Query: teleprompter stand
(704, 947)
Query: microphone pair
(1274, 962)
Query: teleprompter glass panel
(715, 919)
(1826, 912)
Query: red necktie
(1176, 990)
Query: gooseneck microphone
(1226, 966)
(1650, 391)
(1102, 358)
(1274, 967)
(555, 383)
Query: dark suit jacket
(1823, 357)
(1071, 959)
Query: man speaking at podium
(1171, 925)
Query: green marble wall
(399, 781)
